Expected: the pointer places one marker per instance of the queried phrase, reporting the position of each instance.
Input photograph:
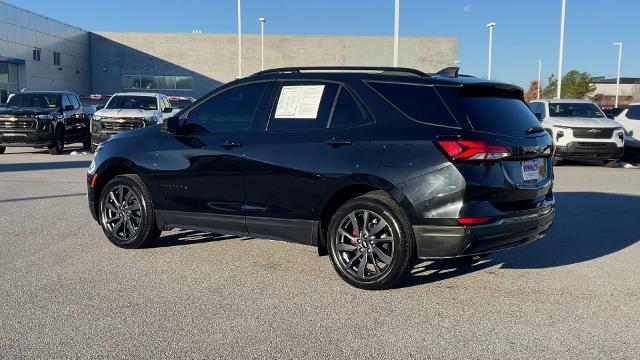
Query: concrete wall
(212, 59)
(610, 89)
(21, 31)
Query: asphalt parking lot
(67, 292)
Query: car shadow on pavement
(188, 237)
(588, 225)
(35, 166)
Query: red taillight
(473, 150)
(474, 220)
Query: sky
(526, 30)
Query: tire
(57, 147)
(86, 145)
(386, 263)
(557, 162)
(125, 202)
(3, 149)
(94, 147)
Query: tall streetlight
(239, 42)
(559, 87)
(619, 45)
(396, 31)
(262, 21)
(490, 25)
(539, 73)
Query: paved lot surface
(65, 291)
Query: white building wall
(22, 30)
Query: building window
(162, 82)
(56, 58)
(36, 54)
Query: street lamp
(262, 21)
(396, 31)
(619, 45)
(457, 62)
(239, 42)
(490, 25)
(559, 87)
(539, 73)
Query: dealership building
(40, 53)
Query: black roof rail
(384, 69)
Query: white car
(580, 130)
(630, 119)
(128, 111)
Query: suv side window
(229, 111)
(346, 112)
(65, 101)
(286, 122)
(418, 102)
(634, 112)
(537, 108)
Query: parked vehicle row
(55, 118)
(580, 130)
(374, 166)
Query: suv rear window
(418, 102)
(499, 115)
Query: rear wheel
(371, 242)
(3, 149)
(126, 212)
(86, 144)
(57, 147)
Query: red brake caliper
(355, 235)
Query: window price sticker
(299, 102)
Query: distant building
(606, 91)
(39, 53)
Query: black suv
(44, 119)
(376, 166)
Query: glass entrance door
(8, 80)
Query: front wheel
(371, 243)
(3, 149)
(126, 212)
(57, 147)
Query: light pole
(396, 31)
(239, 42)
(490, 25)
(457, 63)
(619, 45)
(539, 73)
(559, 87)
(262, 21)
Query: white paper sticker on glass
(299, 102)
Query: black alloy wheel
(371, 242)
(126, 212)
(57, 146)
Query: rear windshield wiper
(536, 129)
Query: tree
(575, 85)
(532, 92)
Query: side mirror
(167, 110)
(171, 125)
(69, 107)
(539, 116)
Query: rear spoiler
(491, 89)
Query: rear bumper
(435, 241)
(585, 150)
(26, 139)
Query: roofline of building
(275, 35)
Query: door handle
(230, 144)
(338, 142)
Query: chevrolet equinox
(374, 166)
